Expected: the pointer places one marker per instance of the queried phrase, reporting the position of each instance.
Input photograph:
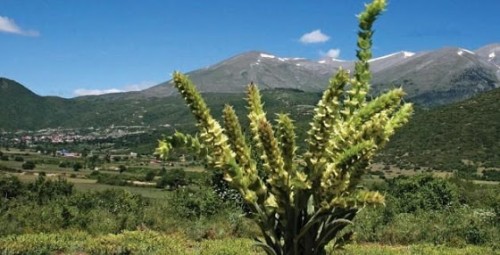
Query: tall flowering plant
(302, 203)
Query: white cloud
(314, 37)
(95, 92)
(131, 87)
(332, 53)
(139, 86)
(9, 26)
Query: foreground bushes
(151, 242)
(195, 211)
(425, 209)
(51, 205)
(457, 228)
(109, 211)
(135, 242)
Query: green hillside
(22, 109)
(19, 107)
(459, 136)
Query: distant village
(67, 135)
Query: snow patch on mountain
(263, 55)
(406, 54)
(460, 52)
(491, 56)
(468, 51)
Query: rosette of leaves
(302, 202)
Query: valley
(73, 163)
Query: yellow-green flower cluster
(285, 134)
(255, 115)
(212, 134)
(291, 198)
(221, 156)
(250, 180)
(163, 149)
(326, 116)
(358, 199)
(346, 130)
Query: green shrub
(94, 174)
(10, 187)
(196, 202)
(173, 178)
(28, 165)
(113, 179)
(491, 175)
(108, 211)
(456, 228)
(422, 192)
(44, 189)
(122, 168)
(77, 166)
(64, 164)
(150, 175)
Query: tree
(92, 161)
(77, 166)
(423, 192)
(64, 164)
(150, 175)
(44, 189)
(28, 165)
(122, 168)
(10, 187)
(173, 178)
(302, 203)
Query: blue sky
(74, 47)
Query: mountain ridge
(270, 71)
(442, 137)
(466, 73)
(429, 78)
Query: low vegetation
(108, 199)
(49, 214)
(461, 137)
(151, 242)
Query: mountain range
(430, 79)
(456, 92)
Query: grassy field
(91, 185)
(151, 242)
(145, 192)
(420, 249)
(133, 242)
(49, 165)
